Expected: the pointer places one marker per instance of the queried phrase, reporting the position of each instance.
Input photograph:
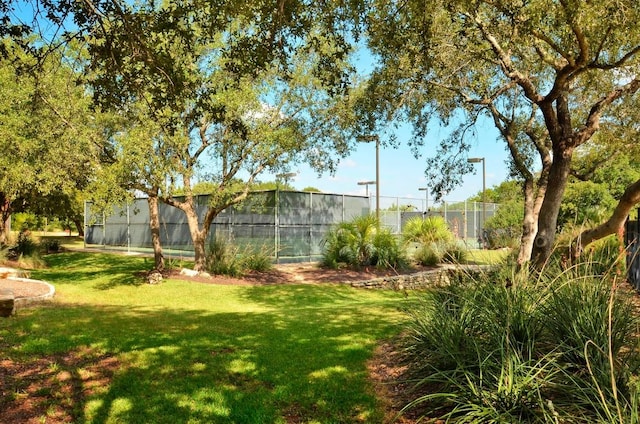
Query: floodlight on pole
(376, 138)
(366, 184)
(284, 176)
(426, 198)
(484, 188)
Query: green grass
(204, 353)
(486, 257)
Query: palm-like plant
(433, 229)
(361, 243)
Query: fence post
(277, 225)
(128, 229)
(85, 224)
(444, 203)
(464, 223)
(310, 225)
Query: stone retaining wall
(420, 280)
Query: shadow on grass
(199, 366)
(105, 270)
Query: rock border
(440, 276)
(9, 304)
(25, 301)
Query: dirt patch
(388, 375)
(53, 389)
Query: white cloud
(348, 163)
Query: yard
(110, 349)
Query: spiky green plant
(433, 229)
(361, 242)
(428, 255)
(509, 347)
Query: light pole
(376, 138)
(366, 184)
(426, 198)
(484, 190)
(285, 176)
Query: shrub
(257, 259)
(387, 251)
(228, 259)
(578, 314)
(427, 255)
(504, 228)
(50, 245)
(514, 347)
(455, 254)
(433, 229)
(25, 246)
(361, 243)
(222, 258)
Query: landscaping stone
(7, 303)
(420, 280)
(154, 277)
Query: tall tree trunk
(154, 223)
(532, 205)
(548, 216)
(5, 219)
(198, 236)
(79, 226)
(629, 199)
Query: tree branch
(629, 199)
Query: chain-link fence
(466, 219)
(290, 225)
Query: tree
(224, 104)
(134, 164)
(551, 70)
(585, 202)
(64, 206)
(49, 145)
(504, 192)
(613, 165)
(272, 185)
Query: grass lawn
(486, 257)
(119, 351)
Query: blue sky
(401, 174)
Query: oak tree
(561, 65)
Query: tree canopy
(203, 105)
(48, 139)
(547, 73)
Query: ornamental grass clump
(511, 346)
(433, 229)
(225, 258)
(435, 242)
